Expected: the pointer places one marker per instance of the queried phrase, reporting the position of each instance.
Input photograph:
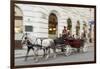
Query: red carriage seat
(76, 43)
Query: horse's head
(24, 40)
(29, 37)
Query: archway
(77, 28)
(84, 30)
(52, 26)
(69, 25)
(18, 20)
(18, 26)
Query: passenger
(64, 32)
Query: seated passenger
(64, 32)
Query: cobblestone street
(76, 57)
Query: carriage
(66, 45)
(69, 45)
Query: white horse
(39, 44)
(29, 43)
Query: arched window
(84, 26)
(77, 28)
(18, 20)
(69, 24)
(84, 29)
(52, 24)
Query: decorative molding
(18, 17)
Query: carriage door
(52, 27)
(78, 28)
(18, 27)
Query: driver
(64, 32)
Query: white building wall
(38, 16)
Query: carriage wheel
(68, 50)
(85, 48)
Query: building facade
(48, 21)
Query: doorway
(52, 26)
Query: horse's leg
(33, 49)
(47, 53)
(54, 52)
(44, 52)
(62, 49)
(27, 53)
(36, 55)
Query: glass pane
(28, 28)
